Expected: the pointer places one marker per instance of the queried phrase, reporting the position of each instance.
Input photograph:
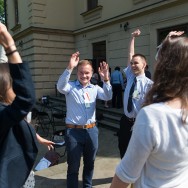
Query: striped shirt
(78, 112)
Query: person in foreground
(158, 150)
(17, 138)
(81, 131)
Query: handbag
(53, 157)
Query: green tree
(2, 12)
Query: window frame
(16, 12)
(162, 33)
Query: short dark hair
(117, 68)
(140, 55)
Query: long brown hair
(171, 74)
(5, 84)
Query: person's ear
(144, 64)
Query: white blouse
(157, 155)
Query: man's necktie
(130, 102)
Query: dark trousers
(124, 134)
(81, 142)
(117, 96)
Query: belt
(88, 126)
(131, 119)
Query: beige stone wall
(117, 40)
(48, 53)
(52, 14)
(111, 10)
(50, 31)
(42, 13)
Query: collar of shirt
(140, 77)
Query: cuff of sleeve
(123, 176)
(69, 71)
(106, 81)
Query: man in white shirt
(137, 86)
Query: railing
(49, 115)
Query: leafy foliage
(2, 13)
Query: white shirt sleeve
(141, 145)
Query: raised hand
(7, 42)
(136, 33)
(74, 60)
(175, 33)
(6, 39)
(104, 71)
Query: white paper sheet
(43, 163)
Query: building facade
(47, 32)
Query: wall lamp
(126, 26)
(20, 44)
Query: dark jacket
(18, 143)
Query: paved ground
(106, 161)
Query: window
(93, 12)
(91, 4)
(16, 16)
(162, 33)
(16, 12)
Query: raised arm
(7, 42)
(104, 71)
(19, 94)
(73, 61)
(131, 45)
(62, 83)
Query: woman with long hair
(158, 150)
(18, 139)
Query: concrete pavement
(106, 161)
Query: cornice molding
(93, 14)
(41, 31)
(16, 27)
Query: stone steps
(113, 118)
(110, 120)
(109, 125)
(106, 117)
